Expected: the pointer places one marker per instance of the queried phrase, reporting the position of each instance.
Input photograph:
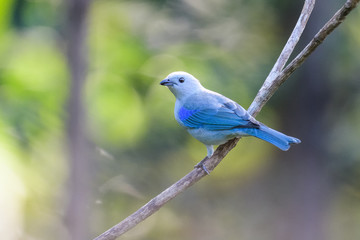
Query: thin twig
(263, 96)
(292, 41)
(287, 50)
(267, 90)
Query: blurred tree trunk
(79, 182)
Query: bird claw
(202, 166)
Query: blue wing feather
(222, 118)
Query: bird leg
(202, 165)
(210, 152)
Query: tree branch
(292, 41)
(269, 88)
(157, 202)
(270, 85)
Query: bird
(214, 119)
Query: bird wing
(227, 116)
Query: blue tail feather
(272, 136)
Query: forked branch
(292, 41)
(269, 88)
(277, 76)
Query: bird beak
(167, 82)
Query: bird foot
(202, 165)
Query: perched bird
(214, 119)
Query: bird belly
(213, 137)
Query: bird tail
(272, 136)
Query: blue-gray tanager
(214, 119)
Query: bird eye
(181, 79)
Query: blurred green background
(135, 147)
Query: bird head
(182, 84)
